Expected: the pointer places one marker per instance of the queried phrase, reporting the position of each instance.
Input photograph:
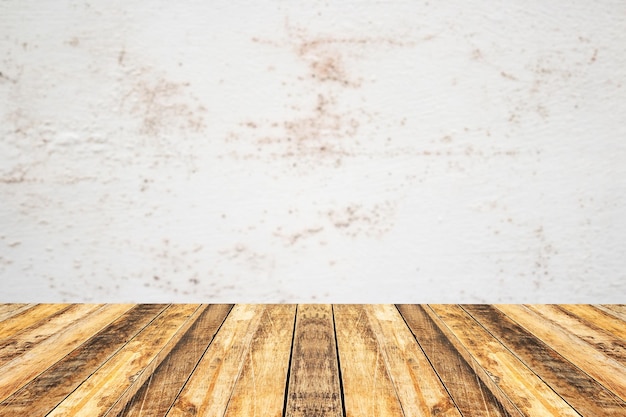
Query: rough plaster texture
(263, 151)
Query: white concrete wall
(355, 151)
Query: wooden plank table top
(178, 360)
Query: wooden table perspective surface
(369, 360)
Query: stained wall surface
(274, 151)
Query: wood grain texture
(367, 385)
(617, 309)
(605, 370)
(469, 393)
(525, 389)
(613, 310)
(582, 392)
(418, 387)
(32, 362)
(601, 340)
(312, 360)
(159, 392)
(44, 328)
(209, 388)
(598, 319)
(259, 390)
(9, 310)
(114, 383)
(480, 373)
(31, 317)
(48, 389)
(314, 388)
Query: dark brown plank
(47, 390)
(469, 393)
(314, 376)
(581, 391)
(158, 394)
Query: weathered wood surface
(314, 374)
(157, 396)
(312, 360)
(259, 390)
(580, 390)
(594, 362)
(48, 389)
(368, 388)
(469, 393)
(210, 386)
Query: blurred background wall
(275, 151)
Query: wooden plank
(470, 394)
(16, 373)
(260, 389)
(115, 382)
(610, 309)
(531, 396)
(604, 342)
(314, 388)
(598, 318)
(620, 308)
(47, 390)
(31, 317)
(581, 391)
(481, 374)
(605, 370)
(418, 387)
(10, 310)
(22, 342)
(157, 395)
(367, 387)
(211, 384)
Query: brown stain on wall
(160, 105)
(324, 130)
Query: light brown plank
(27, 339)
(470, 394)
(620, 308)
(419, 389)
(9, 310)
(20, 370)
(605, 370)
(48, 389)
(604, 342)
(260, 388)
(581, 391)
(481, 374)
(531, 396)
(367, 387)
(610, 309)
(115, 382)
(157, 395)
(211, 384)
(30, 318)
(314, 375)
(600, 319)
